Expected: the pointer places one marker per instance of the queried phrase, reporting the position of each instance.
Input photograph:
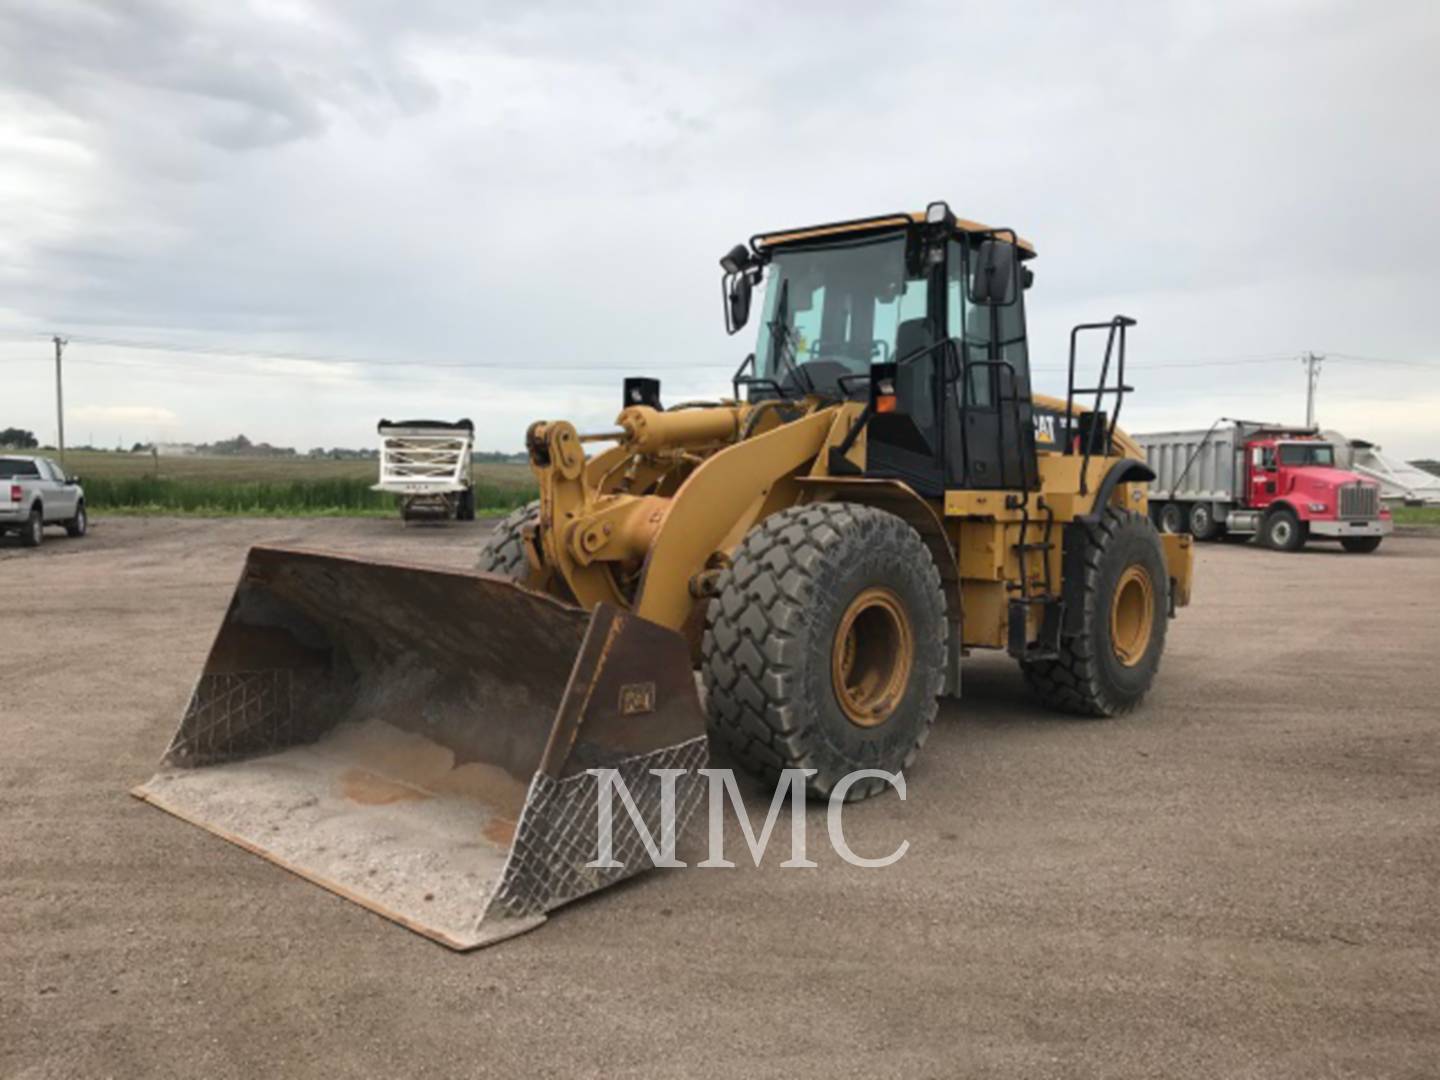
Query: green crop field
(280, 486)
(1417, 515)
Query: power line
(337, 359)
(242, 352)
(1385, 360)
(1259, 358)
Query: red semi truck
(1242, 478)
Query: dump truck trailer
(427, 463)
(1240, 479)
(878, 493)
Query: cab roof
(769, 240)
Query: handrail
(1115, 336)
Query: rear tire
(1283, 531)
(465, 506)
(503, 552)
(79, 525)
(1202, 522)
(32, 533)
(1107, 667)
(825, 646)
(1360, 545)
(1171, 518)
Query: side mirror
(993, 282)
(75, 480)
(738, 288)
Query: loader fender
(1128, 471)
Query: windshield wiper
(784, 340)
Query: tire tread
(753, 639)
(1073, 682)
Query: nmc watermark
(722, 785)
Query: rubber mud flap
(418, 739)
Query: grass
(1417, 515)
(263, 486)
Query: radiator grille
(1359, 501)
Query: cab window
(1297, 454)
(14, 468)
(832, 310)
(1001, 338)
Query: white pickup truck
(35, 492)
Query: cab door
(990, 426)
(60, 497)
(1263, 482)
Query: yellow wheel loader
(881, 492)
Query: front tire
(1360, 545)
(79, 525)
(503, 552)
(825, 646)
(1283, 531)
(1107, 667)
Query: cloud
(130, 415)
(548, 185)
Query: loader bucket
(417, 740)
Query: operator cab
(922, 317)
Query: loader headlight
(938, 213)
(736, 259)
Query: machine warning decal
(637, 698)
(1044, 426)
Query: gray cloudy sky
(507, 207)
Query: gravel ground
(1240, 880)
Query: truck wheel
(1107, 667)
(1283, 531)
(1360, 545)
(1171, 518)
(824, 648)
(79, 525)
(34, 530)
(1202, 522)
(465, 505)
(503, 552)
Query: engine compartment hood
(1320, 478)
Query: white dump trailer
(1400, 482)
(427, 463)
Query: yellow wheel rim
(873, 654)
(1132, 615)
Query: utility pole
(1312, 376)
(60, 344)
